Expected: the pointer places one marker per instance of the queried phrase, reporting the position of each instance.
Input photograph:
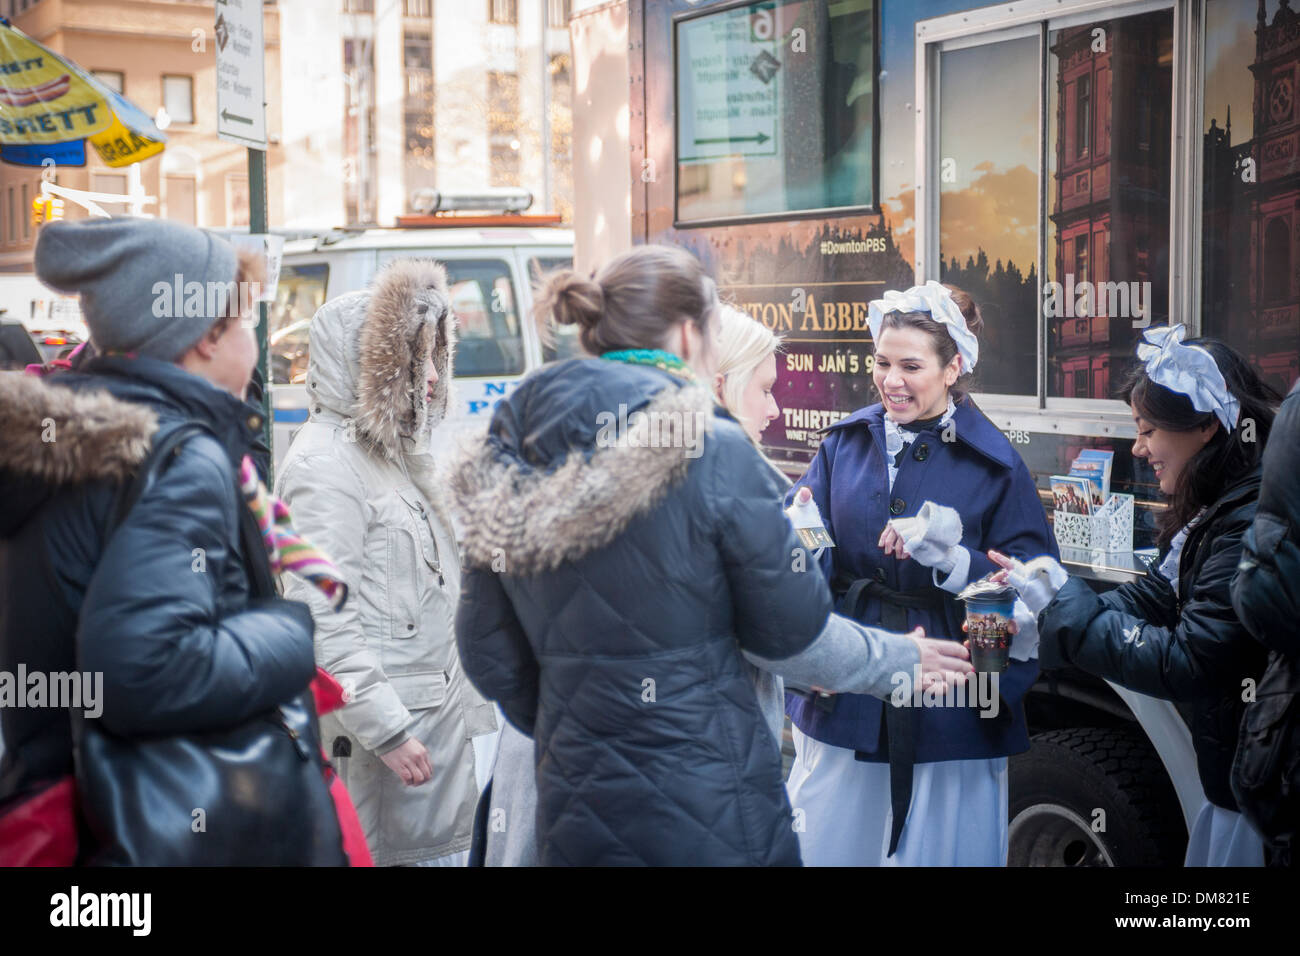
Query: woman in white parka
(359, 480)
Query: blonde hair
(744, 343)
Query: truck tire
(1067, 776)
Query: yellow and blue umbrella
(50, 108)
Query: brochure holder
(1109, 529)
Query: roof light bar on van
(493, 199)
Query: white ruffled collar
(896, 436)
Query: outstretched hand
(944, 663)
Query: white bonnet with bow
(1189, 370)
(935, 299)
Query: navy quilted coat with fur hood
(610, 588)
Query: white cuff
(1024, 646)
(960, 571)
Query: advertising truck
(1084, 169)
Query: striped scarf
(285, 548)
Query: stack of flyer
(1087, 487)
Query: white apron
(1222, 837)
(958, 814)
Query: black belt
(900, 722)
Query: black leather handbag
(249, 795)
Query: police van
(492, 262)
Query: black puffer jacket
(165, 613)
(1188, 647)
(609, 594)
(1267, 590)
(1266, 594)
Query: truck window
(1110, 112)
(301, 291)
(483, 298)
(559, 341)
(776, 107)
(988, 203)
(1250, 229)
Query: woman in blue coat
(890, 782)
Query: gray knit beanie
(137, 281)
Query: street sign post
(241, 118)
(241, 79)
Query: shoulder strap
(160, 456)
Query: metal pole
(546, 111)
(257, 223)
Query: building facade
(161, 55)
(388, 97)
(368, 102)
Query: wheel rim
(1048, 834)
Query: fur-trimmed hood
(572, 457)
(59, 436)
(52, 436)
(368, 351)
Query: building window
(562, 136)
(178, 98)
(358, 130)
(113, 183)
(1144, 110)
(417, 8)
(1277, 260)
(417, 51)
(503, 128)
(358, 6)
(1082, 116)
(115, 80)
(1081, 259)
(181, 199)
(558, 12)
(419, 134)
(503, 11)
(236, 199)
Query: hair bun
(572, 299)
(970, 310)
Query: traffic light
(46, 209)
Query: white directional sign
(241, 81)
(729, 80)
